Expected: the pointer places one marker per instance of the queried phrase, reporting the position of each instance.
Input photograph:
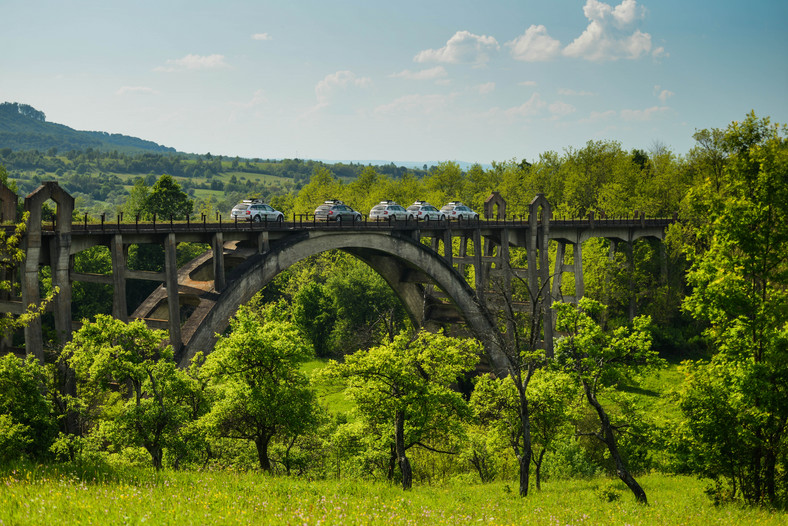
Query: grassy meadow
(53, 496)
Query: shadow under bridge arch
(394, 257)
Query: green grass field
(47, 496)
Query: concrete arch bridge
(457, 275)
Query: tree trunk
(538, 464)
(399, 440)
(262, 452)
(524, 458)
(609, 438)
(156, 455)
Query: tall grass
(55, 495)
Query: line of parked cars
(335, 210)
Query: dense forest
(322, 374)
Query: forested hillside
(22, 127)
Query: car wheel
(459, 217)
(339, 219)
(280, 219)
(357, 218)
(257, 219)
(443, 218)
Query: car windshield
(414, 207)
(240, 207)
(322, 208)
(379, 208)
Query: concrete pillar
(171, 284)
(558, 275)
(630, 251)
(118, 255)
(34, 340)
(463, 252)
(218, 261)
(481, 281)
(263, 245)
(448, 247)
(578, 270)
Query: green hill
(22, 127)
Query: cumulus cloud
(262, 36)
(559, 109)
(527, 83)
(424, 74)
(135, 89)
(340, 80)
(610, 34)
(531, 108)
(195, 62)
(662, 94)
(462, 48)
(534, 45)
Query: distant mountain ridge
(23, 127)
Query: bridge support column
(263, 245)
(218, 261)
(60, 263)
(171, 284)
(480, 274)
(34, 339)
(576, 268)
(118, 255)
(448, 247)
(538, 266)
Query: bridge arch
(388, 254)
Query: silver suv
(457, 210)
(335, 210)
(388, 211)
(257, 211)
(423, 211)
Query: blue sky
(405, 81)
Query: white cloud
(662, 94)
(527, 83)
(534, 45)
(262, 36)
(575, 93)
(487, 87)
(425, 104)
(610, 35)
(532, 107)
(340, 80)
(135, 89)
(559, 109)
(424, 74)
(642, 115)
(194, 62)
(462, 48)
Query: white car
(257, 211)
(459, 211)
(423, 211)
(388, 211)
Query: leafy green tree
(128, 386)
(495, 402)
(27, 419)
(595, 359)
(259, 392)
(135, 203)
(403, 389)
(314, 315)
(737, 404)
(167, 199)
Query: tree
(736, 404)
(403, 389)
(495, 402)
(168, 200)
(129, 384)
(595, 359)
(259, 392)
(27, 420)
